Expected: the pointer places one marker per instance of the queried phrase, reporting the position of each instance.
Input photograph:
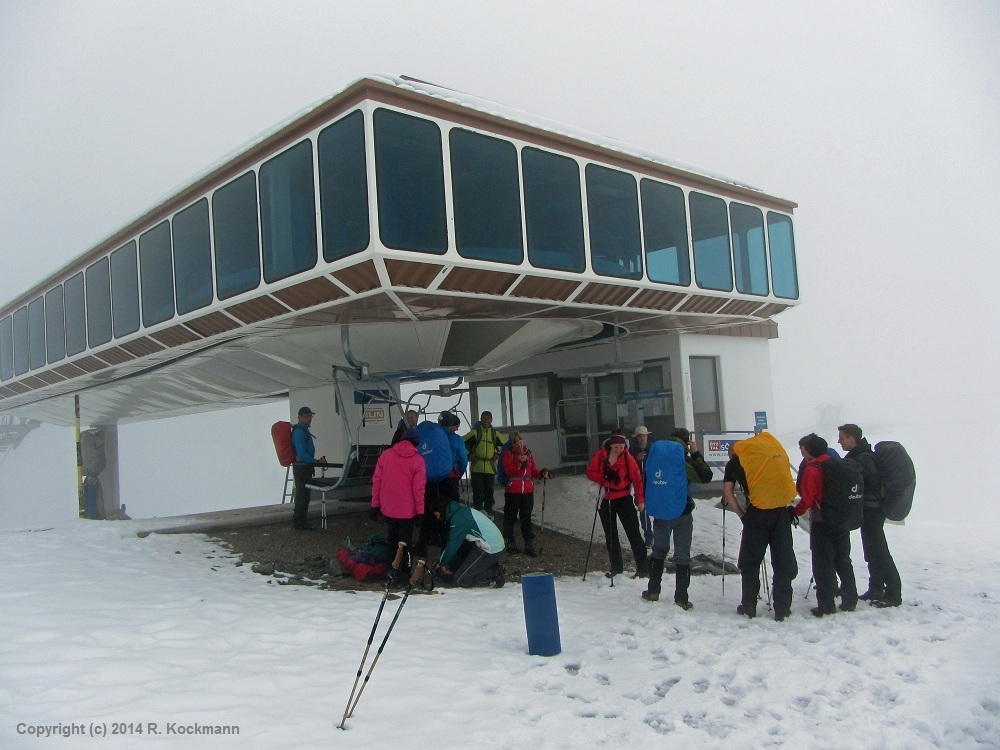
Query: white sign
(716, 447)
(377, 415)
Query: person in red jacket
(519, 494)
(831, 548)
(618, 475)
(398, 488)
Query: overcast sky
(880, 120)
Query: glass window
(664, 230)
(192, 257)
(713, 264)
(343, 187)
(55, 327)
(749, 256)
(6, 348)
(613, 215)
(705, 394)
(782, 246)
(553, 210)
(125, 290)
(237, 241)
(516, 403)
(288, 213)
(76, 315)
(36, 333)
(409, 173)
(99, 303)
(21, 341)
(486, 192)
(156, 275)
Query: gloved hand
(375, 514)
(793, 516)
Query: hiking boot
(685, 605)
(499, 579)
(512, 548)
(885, 603)
(872, 594)
(651, 596)
(749, 612)
(303, 527)
(848, 606)
(780, 616)
(529, 549)
(822, 611)
(642, 569)
(612, 573)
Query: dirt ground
(310, 557)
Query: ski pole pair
(417, 574)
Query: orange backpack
(281, 435)
(769, 475)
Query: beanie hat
(617, 440)
(411, 436)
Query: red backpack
(281, 434)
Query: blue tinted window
(487, 196)
(613, 215)
(343, 187)
(409, 173)
(553, 210)
(36, 333)
(21, 341)
(192, 257)
(125, 290)
(749, 256)
(237, 241)
(156, 275)
(99, 303)
(664, 231)
(782, 245)
(6, 348)
(288, 213)
(713, 266)
(76, 315)
(55, 329)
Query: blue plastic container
(540, 616)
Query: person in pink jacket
(619, 477)
(398, 489)
(519, 494)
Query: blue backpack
(501, 474)
(435, 449)
(666, 480)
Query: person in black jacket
(884, 585)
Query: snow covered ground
(104, 631)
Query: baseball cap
(305, 410)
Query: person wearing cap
(450, 421)
(303, 468)
(398, 488)
(614, 469)
(642, 438)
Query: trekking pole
(371, 637)
(615, 544)
(809, 587)
(418, 573)
(723, 549)
(593, 528)
(541, 534)
(767, 582)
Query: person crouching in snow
(398, 488)
(519, 494)
(618, 475)
(475, 545)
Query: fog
(881, 121)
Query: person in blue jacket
(303, 468)
(475, 546)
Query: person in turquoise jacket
(475, 546)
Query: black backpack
(843, 494)
(899, 479)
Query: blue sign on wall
(760, 420)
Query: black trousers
(301, 495)
(762, 529)
(882, 570)
(482, 491)
(831, 557)
(433, 531)
(399, 530)
(624, 510)
(515, 506)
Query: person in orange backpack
(303, 468)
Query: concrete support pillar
(680, 381)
